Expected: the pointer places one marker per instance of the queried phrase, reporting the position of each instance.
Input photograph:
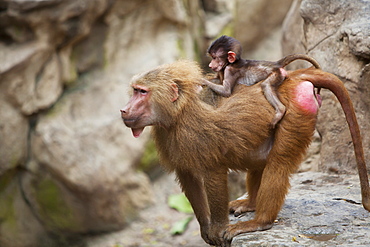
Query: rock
(37, 84)
(248, 21)
(268, 49)
(25, 5)
(336, 34)
(92, 172)
(310, 217)
(18, 222)
(218, 6)
(250, 14)
(173, 10)
(216, 22)
(315, 213)
(219, 16)
(14, 128)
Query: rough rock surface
(310, 217)
(259, 18)
(313, 215)
(337, 34)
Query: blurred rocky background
(71, 174)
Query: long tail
(321, 79)
(290, 58)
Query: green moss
(150, 159)
(8, 217)
(6, 178)
(106, 60)
(130, 213)
(72, 73)
(181, 48)
(54, 210)
(228, 30)
(55, 109)
(197, 52)
(8, 193)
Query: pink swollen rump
(306, 97)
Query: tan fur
(200, 143)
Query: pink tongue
(137, 132)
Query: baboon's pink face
(217, 63)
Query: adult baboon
(201, 143)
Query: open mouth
(136, 132)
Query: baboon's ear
(175, 91)
(231, 57)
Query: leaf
(180, 203)
(180, 226)
(148, 231)
(294, 239)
